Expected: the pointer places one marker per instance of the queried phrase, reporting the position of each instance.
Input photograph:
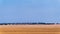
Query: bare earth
(29, 29)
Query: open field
(29, 29)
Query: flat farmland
(29, 29)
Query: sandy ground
(29, 29)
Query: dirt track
(30, 29)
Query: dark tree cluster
(33, 23)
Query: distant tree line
(33, 23)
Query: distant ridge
(39, 23)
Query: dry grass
(30, 29)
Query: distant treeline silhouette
(34, 23)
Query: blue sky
(29, 11)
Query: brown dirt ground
(29, 29)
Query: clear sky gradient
(29, 11)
